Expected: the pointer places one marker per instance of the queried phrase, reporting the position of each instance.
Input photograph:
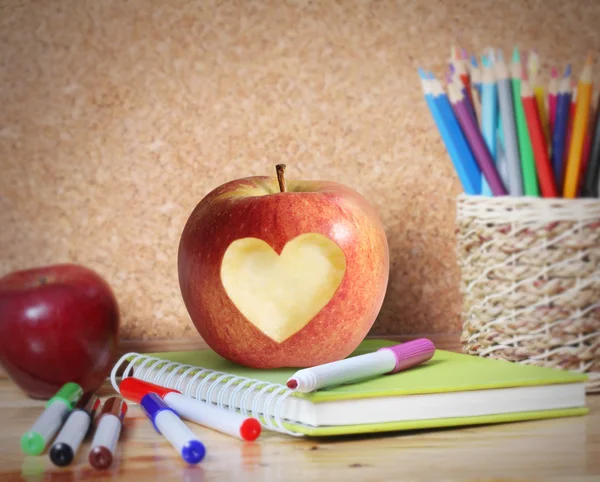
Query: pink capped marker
(386, 360)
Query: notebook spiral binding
(250, 391)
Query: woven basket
(530, 280)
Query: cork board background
(119, 116)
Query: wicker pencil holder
(530, 281)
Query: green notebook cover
(445, 372)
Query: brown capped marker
(110, 421)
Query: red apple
(283, 274)
(58, 324)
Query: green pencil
(530, 182)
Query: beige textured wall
(117, 117)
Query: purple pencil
(475, 139)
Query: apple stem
(280, 168)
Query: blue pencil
(460, 153)
(507, 114)
(561, 127)
(489, 115)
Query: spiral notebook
(451, 389)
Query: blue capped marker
(167, 422)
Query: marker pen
(225, 421)
(383, 361)
(74, 430)
(167, 422)
(34, 441)
(107, 433)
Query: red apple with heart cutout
(283, 273)
(58, 324)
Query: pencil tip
(473, 61)
(464, 53)
(516, 57)
(500, 55)
(568, 70)
(421, 72)
(554, 73)
(484, 61)
(533, 60)
(589, 60)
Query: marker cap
(152, 405)
(88, 403)
(114, 406)
(411, 353)
(193, 451)
(33, 443)
(69, 393)
(134, 389)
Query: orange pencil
(578, 133)
(538, 141)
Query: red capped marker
(220, 419)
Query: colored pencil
(533, 64)
(559, 137)
(501, 163)
(467, 99)
(464, 75)
(475, 139)
(475, 70)
(538, 141)
(540, 97)
(491, 56)
(461, 71)
(580, 127)
(489, 115)
(552, 98)
(530, 183)
(460, 155)
(587, 145)
(590, 185)
(500, 129)
(507, 113)
(571, 118)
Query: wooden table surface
(563, 449)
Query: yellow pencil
(580, 124)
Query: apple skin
(255, 207)
(58, 324)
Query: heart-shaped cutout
(280, 294)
